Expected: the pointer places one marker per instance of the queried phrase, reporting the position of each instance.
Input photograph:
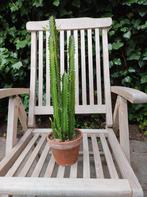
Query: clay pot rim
(66, 142)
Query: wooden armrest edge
(6, 92)
(130, 94)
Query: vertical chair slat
(98, 68)
(83, 69)
(90, 65)
(40, 76)
(31, 159)
(62, 52)
(31, 120)
(12, 123)
(50, 167)
(106, 77)
(86, 162)
(68, 35)
(110, 163)
(41, 162)
(97, 158)
(76, 68)
(47, 71)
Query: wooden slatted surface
(91, 44)
(36, 159)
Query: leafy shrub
(128, 49)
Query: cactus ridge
(63, 123)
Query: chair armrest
(130, 94)
(6, 92)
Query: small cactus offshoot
(62, 88)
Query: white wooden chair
(103, 168)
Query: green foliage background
(127, 40)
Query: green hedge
(127, 41)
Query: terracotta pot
(65, 153)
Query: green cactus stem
(63, 123)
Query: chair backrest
(91, 62)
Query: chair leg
(12, 124)
(124, 127)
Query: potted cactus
(64, 139)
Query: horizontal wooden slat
(88, 131)
(6, 92)
(130, 94)
(70, 24)
(66, 187)
(81, 109)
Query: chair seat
(101, 170)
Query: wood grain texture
(106, 78)
(124, 126)
(80, 109)
(11, 139)
(33, 77)
(83, 67)
(10, 158)
(109, 159)
(47, 71)
(7, 92)
(66, 187)
(130, 94)
(124, 166)
(22, 115)
(70, 24)
(40, 70)
(41, 161)
(97, 158)
(75, 32)
(20, 159)
(32, 157)
(98, 67)
(86, 161)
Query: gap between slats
(50, 167)
(97, 158)
(32, 157)
(111, 166)
(41, 161)
(20, 159)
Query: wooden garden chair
(103, 168)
